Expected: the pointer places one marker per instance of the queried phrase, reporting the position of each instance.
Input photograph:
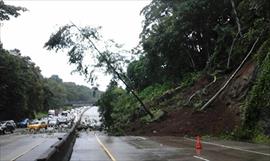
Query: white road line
(18, 156)
(230, 147)
(200, 158)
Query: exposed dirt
(221, 117)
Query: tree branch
(231, 48)
(231, 77)
(115, 72)
(236, 18)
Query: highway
(95, 146)
(25, 147)
(98, 146)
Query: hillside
(183, 116)
(202, 68)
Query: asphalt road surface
(25, 147)
(93, 146)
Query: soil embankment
(182, 118)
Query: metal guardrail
(62, 149)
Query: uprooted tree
(83, 45)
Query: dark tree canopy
(6, 11)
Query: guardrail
(62, 149)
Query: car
(23, 123)
(52, 122)
(7, 126)
(37, 125)
(62, 120)
(12, 122)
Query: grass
(40, 115)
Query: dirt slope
(182, 119)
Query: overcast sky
(120, 20)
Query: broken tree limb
(115, 72)
(231, 77)
(236, 18)
(201, 90)
(231, 48)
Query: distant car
(37, 125)
(52, 122)
(12, 122)
(62, 120)
(7, 126)
(23, 123)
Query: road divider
(62, 149)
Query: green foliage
(183, 39)
(257, 110)
(115, 108)
(158, 114)
(7, 10)
(24, 91)
(21, 86)
(118, 108)
(81, 45)
(68, 93)
(40, 115)
(262, 139)
(150, 92)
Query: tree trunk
(236, 18)
(231, 48)
(117, 74)
(231, 77)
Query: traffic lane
(7, 139)
(86, 148)
(132, 148)
(220, 150)
(25, 147)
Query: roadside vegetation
(201, 67)
(24, 92)
(182, 43)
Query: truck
(51, 112)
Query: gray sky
(120, 20)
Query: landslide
(181, 106)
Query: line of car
(65, 119)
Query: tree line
(25, 92)
(181, 39)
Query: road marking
(18, 156)
(105, 149)
(230, 147)
(200, 158)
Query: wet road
(93, 146)
(96, 146)
(28, 147)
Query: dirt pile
(182, 118)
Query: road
(93, 146)
(96, 146)
(25, 147)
